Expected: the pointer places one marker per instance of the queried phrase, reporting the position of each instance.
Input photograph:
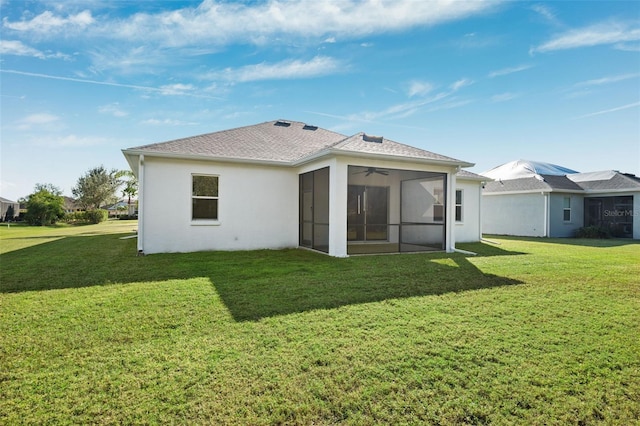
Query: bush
(44, 206)
(128, 217)
(96, 216)
(75, 217)
(593, 232)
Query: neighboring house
(122, 207)
(71, 205)
(535, 199)
(9, 210)
(284, 184)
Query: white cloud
(627, 47)
(507, 71)
(397, 111)
(220, 23)
(67, 141)
(15, 47)
(503, 97)
(450, 104)
(607, 111)
(546, 13)
(289, 69)
(606, 80)
(47, 23)
(104, 83)
(39, 120)
(457, 85)
(167, 122)
(42, 118)
(594, 35)
(176, 89)
(419, 88)
(113, 109)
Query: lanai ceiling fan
(371, 170)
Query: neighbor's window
(204, 197)
(566, 213)
(458, 205)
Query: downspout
(450, 212)
(546, 214)
(480, 211)
(141, 205)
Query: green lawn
(530, 331)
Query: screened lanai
(388, 210)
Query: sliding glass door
(367, 213)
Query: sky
(484, 82)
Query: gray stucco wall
(557, 226)
(514, 214)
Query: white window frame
(461, 205)
(205, 221)
(566, 209)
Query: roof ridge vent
(310, 127)
(281, 123)
(370, 138)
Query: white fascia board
(374, 156)
(473, 179)
(602, 192)
(536, 191)
(208, 158)
(532, 191)
(132, 159)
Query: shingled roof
(274, 141)
(285, 142)
(579, 182)
(544, 183)
(608, 180)
(363, 143)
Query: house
(122, 207)
(282, 184)
(528, 198)
(9, 210)
(71, 205)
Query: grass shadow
(252, 284)
(582, 242)
(307, 281)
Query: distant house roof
(465, 174)
(609, 180)
(545, 183)
(526, 168)
(283, 142)
(578, 183)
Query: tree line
(96, 188)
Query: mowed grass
(530, 331)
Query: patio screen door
(314, 210)
(367, 213)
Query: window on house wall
(204, 197)
(458, 205)
(566, 213)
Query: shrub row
(89, 216)
(593, 232)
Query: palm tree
(130, 188)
